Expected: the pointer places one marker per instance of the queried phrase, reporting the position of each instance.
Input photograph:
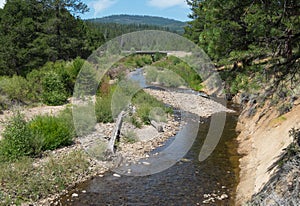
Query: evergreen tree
(234, 31)
(34, 32)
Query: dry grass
(29, 180)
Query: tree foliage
(35, 32)
(234, 31)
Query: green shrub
(158, 114)
(34, 79)
(136, 61)
(18, 140)
(103, 109)
(22, 138)
(183, 70)
(151, 74)
(4, 103)
(170, 79)
(130, 136)
(292, 150)
(54, 132)
(145, 103)
(135, 121)
(54, 92)
(67, 116)
(143, 112)
(16, 88)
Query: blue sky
(174, 9)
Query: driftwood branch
(157, 126)
(116, 133)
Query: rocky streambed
(186, 182)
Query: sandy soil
(262, 140)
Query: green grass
(30, 138)
(146, 105)
(164, 77)
(130, 136)
(183, 70)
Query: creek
(188, 182)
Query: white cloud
(2, 2)
(100, 5)
(163, 4)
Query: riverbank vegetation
(255, 45)
(29, 180)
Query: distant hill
(171, 24)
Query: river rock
(116, 175)
(75, 195)
(146, 163)
(224, 196)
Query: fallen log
(157, 126)
(116, 133)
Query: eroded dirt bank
(262, 139)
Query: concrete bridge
(168, 53)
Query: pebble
(116, 175)
(75, 195)
(185, 160)
(224, 196)
(146, 163)
(83, 191)
(206, 196)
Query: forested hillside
(112, 30)
(170, 24)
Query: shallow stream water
(188, 182)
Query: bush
(22, 138)
(4, 103)
(103, 109)
(54, 92)
(146, 103)
(135, 121)
(130, 136)
(34, 79)
(183, 70)
(18, 140)
(143, 112)
(170, 79)
(53, 132)
(151, 74)
(86, 81)
(16, 88)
